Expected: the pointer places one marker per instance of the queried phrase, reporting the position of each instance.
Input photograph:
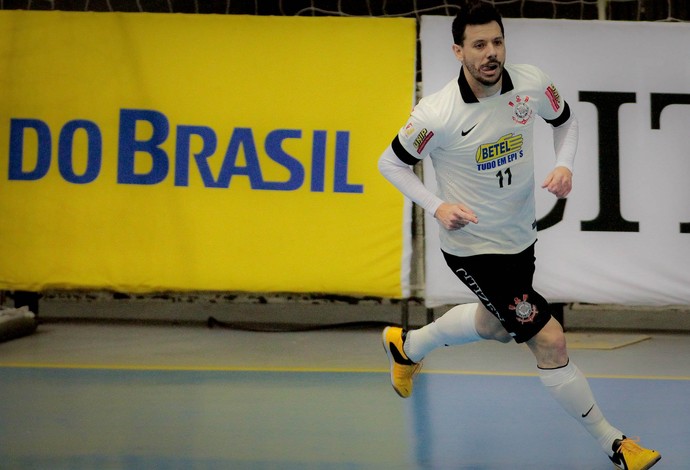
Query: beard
(486, 81)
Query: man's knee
(489, 327)
(503, 336)
(552, 335)
(549, 345)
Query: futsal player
(478, 132)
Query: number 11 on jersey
(501, 177)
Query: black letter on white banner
(659, 102)
(609, 218)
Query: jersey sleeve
(554, 109)
(419, 136)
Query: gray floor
(130, 396)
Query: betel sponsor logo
(131, 150)
(505, 150)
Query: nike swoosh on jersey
(464, 133)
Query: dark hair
(474, 13)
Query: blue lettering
(318, 162)
(142, 135)
(16, 156)
(93, 155)
(129, 146)
(342, 153)
(244, 137)
(275, 151)
(182, 151)
(486, 166)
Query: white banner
(624, 234)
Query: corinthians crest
(524, 311)
(522, 112)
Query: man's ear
(457, 50)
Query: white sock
(571, 390)
(453, 328)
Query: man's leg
(403, 370)
(569, 387)
(461, 324)
(406, 349)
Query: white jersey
(482, 152)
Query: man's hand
(455, 216)
(559, 182)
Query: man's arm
(565, 137)
(400, 174)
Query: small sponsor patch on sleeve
(422, 139)
(408, 130)
(554, 97)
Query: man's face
(483, 53)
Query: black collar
(467, 93)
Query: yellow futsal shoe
(403, 369)
(629, 455)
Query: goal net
(627, 10)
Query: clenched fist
(559, 182)
(455, 216)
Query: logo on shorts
(524, 311)
(474, 287)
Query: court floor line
(163, 368)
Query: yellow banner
(147, 152)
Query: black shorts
(503, 283)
